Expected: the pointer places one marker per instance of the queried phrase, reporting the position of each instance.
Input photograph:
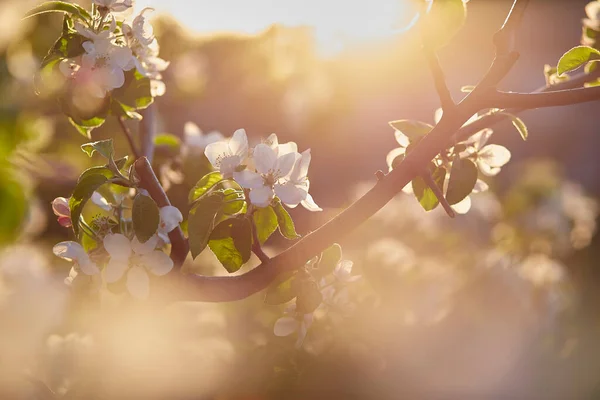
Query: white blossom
(170, 218)
(286, 326)
(343, 272)
(136, 259)
(272, 171)
(195, 139)
(227, 155)
(295, 190)
(73, 251)
(140, 38)
(114, 5)
(101, 201)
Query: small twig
(527, 101)
(149, 181)
(439, 79)
(256, 247)
(438, 193)
(489, 120)
(505, 38)
(148, 132)
(129, 136)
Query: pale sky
(336, 22)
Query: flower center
(102, 61)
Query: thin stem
(256, 247)
(438, 193)
(149, 181)
(148, 132)
(129, 136)
(491, 119)
(437, 73)
(527, 101)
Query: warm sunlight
(337, 24)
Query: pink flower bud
(60, 206)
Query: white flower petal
(290, 194)
(115, 269)
(239, 143)
(157, 262)
(310, 204)
(100, 201)
(146, 247)
(248, 179)
(191, 130)
(170, 218)
(285, 326)
(262, 196)
(462, 207)
(138, 282)
(401, 138)
(480, 186)
(70, 251)
(216, 151)
(300, 170)
(229, 165)
(286, 162)
(437, 115)
(265, 158)
(392, 155)
(117, 246)
(494, 155)
(272, 141)
(285, 148)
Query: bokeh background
(500, 303)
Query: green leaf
(463, 177)
(442, 21)
(204, 185)
(285, 222)
(201, 222)
(13, 206)
(59, 6)
(104, 170)
(575, 58)
(413, 130)
(145, 216)
(168, 140)
(82, 193)
(593, 83)
(233, 202)
(136, 92)
(103, 147)
(330, 258)
(265, 222)
(121, 110)
(424, 194)
(231, 242)
(519, 124)
(309, 297)
(86, 126)
(281, 292)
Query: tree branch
(149, 181)
(129, 136)
(526, 101)
(489, 120)
(182, 287)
